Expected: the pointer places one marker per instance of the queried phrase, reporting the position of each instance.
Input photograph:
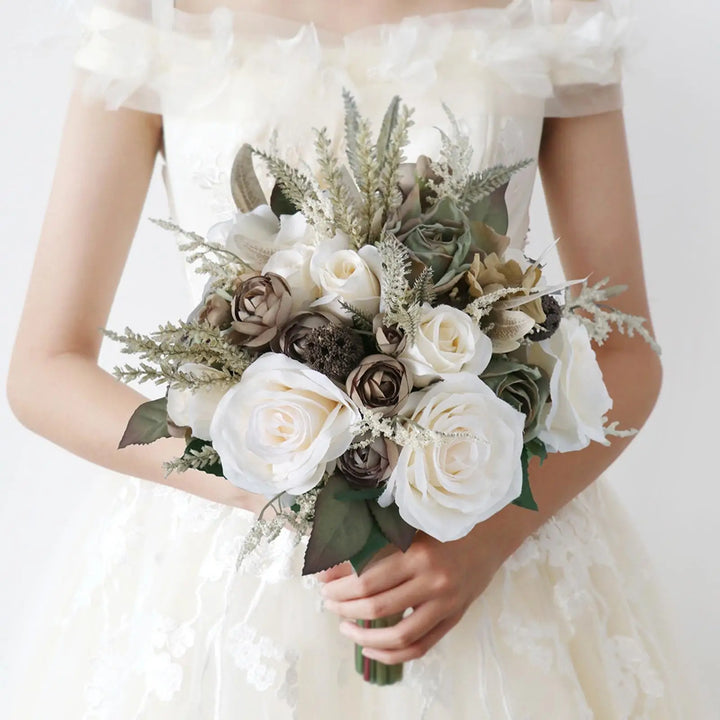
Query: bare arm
(55, 386)
(586, 175)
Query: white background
(668, 479)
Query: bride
(532, 615)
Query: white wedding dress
(154, 621)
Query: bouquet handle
(374, 671)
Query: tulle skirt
(154, 621)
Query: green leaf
(340, 530)
(525, 499)
(492, 210)
(353, 495)
(376, 541)
(395, 529)
(536, 447)
(280, 204)
(147, 424)
(197, 444)
(388, 125)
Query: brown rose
(260, 308)
(369, 466)
(380, 383)
(293, 339)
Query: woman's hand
(438, 580)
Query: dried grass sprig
(593, 299)
(195, 459)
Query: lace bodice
(227, 77)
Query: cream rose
(293, 264)
(256, 235)
(195, 408)
(447, 341)
(579, 400)
(277, 429)
(344, 274)
(445, 488)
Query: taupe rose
(261, 307)
(293, 339)
(369, 466)
(390, 340)
(379, 383)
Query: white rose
(446, 488)
(294, 265)
(579, 398)
(278, 428)
(195, 408)
(447, 341)
(256, 235)
(344, 274)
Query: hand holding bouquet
(371, 354)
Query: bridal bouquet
(370, 353)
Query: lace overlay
(568, 624)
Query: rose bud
(380, 383)
(369, 466)
(214, 309)
(260, 309)
(292, 340)
(390, 339)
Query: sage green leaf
(395, 529)
(340, 530)
(376, 541)
(525, 499)
(492, 210)
(147, 424)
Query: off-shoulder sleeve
(146, 55)
(587, 45)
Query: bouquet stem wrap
(374, 671)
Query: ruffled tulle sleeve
(561, 56)
(588, 41)
(146, 55)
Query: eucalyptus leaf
(340, 530)
(147, 424)
(395, 529)
(376, 541)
